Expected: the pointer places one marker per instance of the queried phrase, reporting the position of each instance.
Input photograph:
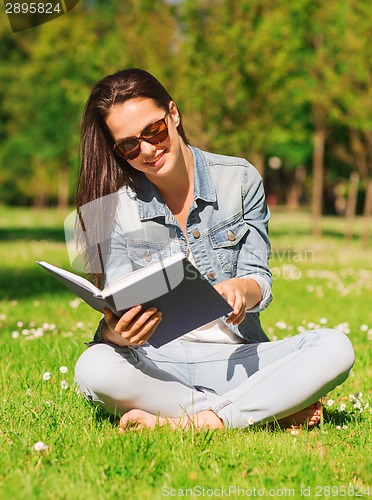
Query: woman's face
(129, 119)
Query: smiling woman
(155, 133)
(156, 148)
(226, 373)
(105, 171)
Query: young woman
(226, 373)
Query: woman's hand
(241, 294)
(133, 328)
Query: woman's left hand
(241, 294)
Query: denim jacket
(226, 230)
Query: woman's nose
(147, 149)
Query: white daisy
(64, 384)
(46, 376)
(75, 303)
(352, 398)
(281, 325)
(63, 369)
(40, 446)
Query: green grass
(316, 281)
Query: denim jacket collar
(151, 203)
(203, 184)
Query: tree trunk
(318, 167)
(367, 215)
(258, 161)
(40, 199)
(294, 186)
(351, 205)
(63, 188)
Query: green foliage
(253, 78)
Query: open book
(172, 285)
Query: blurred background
(286, 85)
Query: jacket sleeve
(253, 259)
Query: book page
(140, 274)
(74, 278)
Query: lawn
(43, 330)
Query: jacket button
(196, 233)
(211, 276)
(231, 236)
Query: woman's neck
(177, 188)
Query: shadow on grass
(338, 234)
(37, 233)
(293, 231)
(334, 233)
(16, 284)
(337, 417)
(101, 415)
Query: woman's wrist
(113, 337)
(252, 292)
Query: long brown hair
(102, 172)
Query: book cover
(173, 285)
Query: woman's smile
(129, 119)
(157, 161)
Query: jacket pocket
(144, 253)
(226, 239)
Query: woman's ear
(174, 113)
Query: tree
(235, 66)
(45, 95)
(355, 98)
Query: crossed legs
(188, 384)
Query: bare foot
(140, 419)
(310, 416)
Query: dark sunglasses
(155, 133)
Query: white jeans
(241, 383)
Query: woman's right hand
(133, 328)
